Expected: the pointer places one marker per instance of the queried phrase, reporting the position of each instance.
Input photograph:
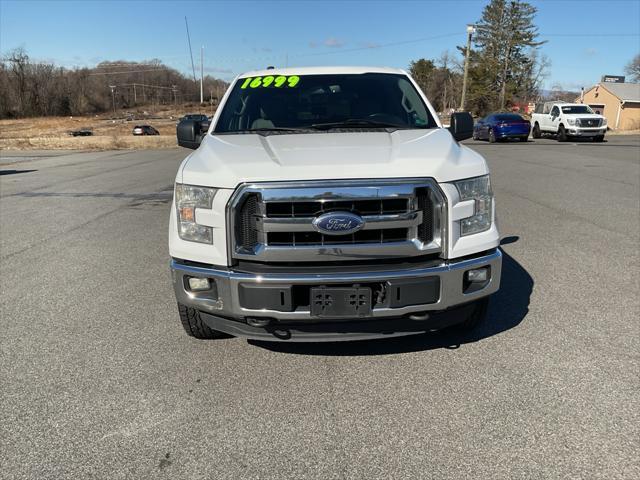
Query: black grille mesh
(384, 206)
(589, 122)
(314, 238)
(425, 229)
(246, 232)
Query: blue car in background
(498, 126)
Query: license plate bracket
(340, 302)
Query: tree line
(29, 88)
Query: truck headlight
(478, 189)
(572, 121)
(188, 198)
(604, 122)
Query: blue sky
(585, 38)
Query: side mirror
(189, 133)
(461, 125)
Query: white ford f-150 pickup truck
(329, 203)
(568, 120)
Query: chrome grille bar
(372, 222)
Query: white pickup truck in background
(568, 120)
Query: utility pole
(470, 31)
(201, 74)
(113, 98)
(174, 89)
(135, 97)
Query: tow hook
(258, 322)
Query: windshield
(577, 109)
(323, 102)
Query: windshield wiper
(358, 123)
(273, 129)
(261, 130)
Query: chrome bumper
(587, 132)
(227, 304)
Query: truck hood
(225, 161)
(586, 116)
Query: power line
(193, 67)
(131, 64)
(376, 46)
(143, 85)
(159, 69)
(594, 34)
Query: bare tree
(30, 88)
(633, 69)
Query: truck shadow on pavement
(14, 172)
(508, 307)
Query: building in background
(618, 102)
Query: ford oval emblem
(338, 223)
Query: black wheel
(562, 134)
(476, 317)
(492, 136)
(194, 326)
(524, 138)
(598, 138)
(536, 131)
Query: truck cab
(568, 120)
(328, 204)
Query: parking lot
(100, 381)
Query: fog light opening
(478, 275)
(476, 279)
(199, 284)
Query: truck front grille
(273, 222)
(590, 122)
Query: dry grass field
(109, 132)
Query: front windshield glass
(577, 109)
(323, 102)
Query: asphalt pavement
(98, 379)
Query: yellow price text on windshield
(271, 81)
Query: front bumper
(223, 308)
(586, 132)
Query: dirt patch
(109, 132)
(99, 142)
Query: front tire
(492, 136)
(536, 131)
(598, 138)
(194, 326)
(477, 316)
(562, 134)
(524, 138)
